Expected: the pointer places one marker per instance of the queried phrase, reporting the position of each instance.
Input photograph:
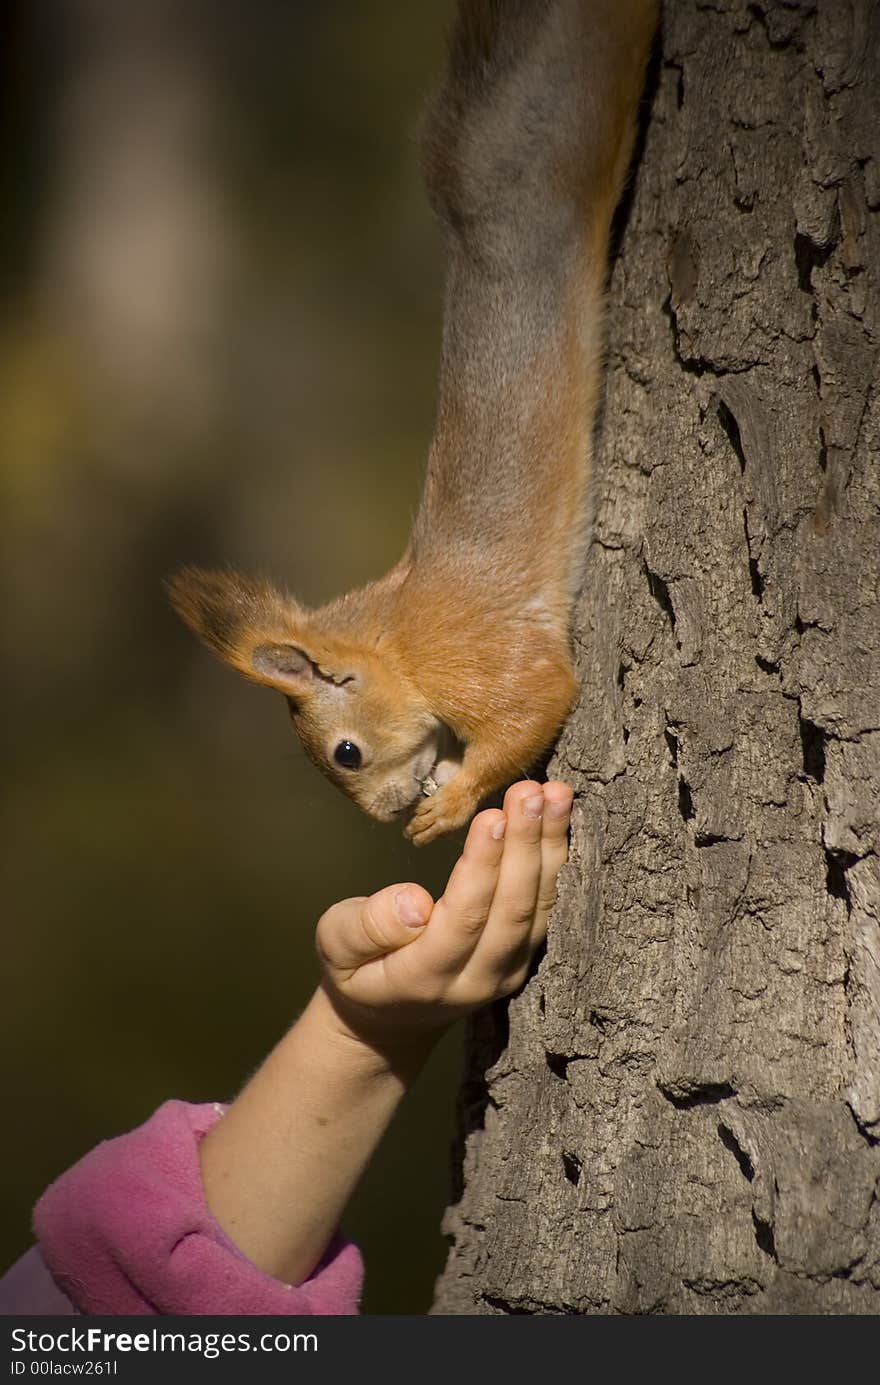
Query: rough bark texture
(681, 1112)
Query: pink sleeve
(127, 1231)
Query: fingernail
(410, 910)
(559, 807)
(499, 828)
(533, 807)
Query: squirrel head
(358, 718)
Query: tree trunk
(681, 1112)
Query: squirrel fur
(425, 691)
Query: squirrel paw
(450, 807)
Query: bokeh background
(221, 293)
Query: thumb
(359, 930)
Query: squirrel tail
(529, 137)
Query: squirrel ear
(283, 666)
(257, 629)
(238, 617)
(291, 669)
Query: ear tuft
(232, 614)
(265, 635)
(220, 606)
(212, 604)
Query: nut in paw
(434, 817)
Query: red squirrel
(425, 691)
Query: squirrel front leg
(455, 803)
(499, 750)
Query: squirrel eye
(347, 755)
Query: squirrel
(422, 693)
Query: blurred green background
(220, 322)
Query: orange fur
(453, 671)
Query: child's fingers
(518, 918)
(512, 914)
(558, 799)
(357, 931)
(460, 916)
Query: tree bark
(681, 1111)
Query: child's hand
(398, 967)
(281, 1164)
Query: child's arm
(280, 1166)
(200, 1212)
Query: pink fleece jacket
(127, 1231)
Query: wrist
(375, 1045)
